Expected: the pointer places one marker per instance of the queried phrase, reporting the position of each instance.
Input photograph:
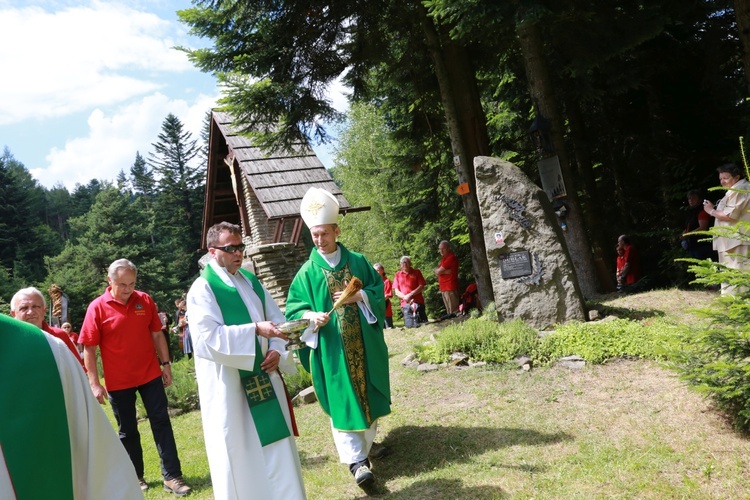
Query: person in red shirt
(407, 285)
(124, 323)
(388, 292)
(628, 265)
(29, 306)
(447, 275)
(73, 336)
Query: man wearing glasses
(125, 324)
(248, 424)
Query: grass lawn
(627, 429)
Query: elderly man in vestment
(248, 423)
(348, 357)
(55, 440)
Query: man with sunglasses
(248, 424)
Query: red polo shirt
(62, 335)
(406, 282)
(449, 282)
(123, 334)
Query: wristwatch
(166, 363)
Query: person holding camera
(729, 212)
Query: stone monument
(532, 276)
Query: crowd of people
(726, 243)
(239, 353)
(229, 322)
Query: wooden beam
(296, 231)
(279, 232)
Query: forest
(640, 101)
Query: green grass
(625, 429)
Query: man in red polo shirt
(408, 284)
(29, 306)
(447, 275)
(125, 324)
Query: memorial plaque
(515, 265)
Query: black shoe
(363, 476)
(378, 451)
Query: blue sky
(87, 84)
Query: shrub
(298, 381)
(598, 342)
(714, 357)
(183, 393)
(481, 340)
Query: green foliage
(411, 211)
(183, 393)
(482, 340)
(114, 228)
(598, 342)
(178, 210)
(715, 353)
(714, 357)
(297, 382)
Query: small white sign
(551, 176)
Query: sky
(87, 84)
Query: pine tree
(116, 227)
(179, 204)
(142, 179)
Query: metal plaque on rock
(515, 264)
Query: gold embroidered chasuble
(349, 367)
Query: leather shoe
(177, 486)
(378, 451)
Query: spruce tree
(179, 205)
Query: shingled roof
(278, 180)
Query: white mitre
(319, 207)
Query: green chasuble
(349, 368)
(34, 432)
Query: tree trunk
(591, 199)
(742, 13)
(467, 126)
(542, 94)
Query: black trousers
(155, 400)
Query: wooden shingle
(277, 180)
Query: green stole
(34, 432)
(261, 398)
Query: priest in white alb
(248, 423)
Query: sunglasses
(231, 248)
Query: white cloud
(339, 94)
(113, 140)
(81, 57)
